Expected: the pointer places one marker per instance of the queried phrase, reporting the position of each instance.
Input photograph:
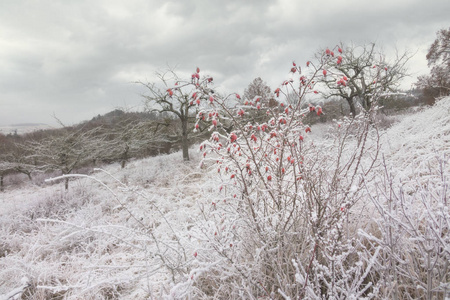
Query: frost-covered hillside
(411, 146)
(127, 233)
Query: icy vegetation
(162, 228)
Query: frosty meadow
(269, 206)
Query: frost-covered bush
(413, 236)
(283, 227)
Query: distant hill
(23, 128)
(118, 115)
(27, 124)
(109, 118)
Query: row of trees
(352, 73)
(64, 150)
(363, 71)
(175, 109)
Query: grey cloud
(77, 58)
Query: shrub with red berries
(280, 191)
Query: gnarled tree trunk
(184, 138)
(351, 103)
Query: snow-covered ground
(104, 238)
(413, 145)
(87, 238)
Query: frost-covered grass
(100, 239)
(143, 232)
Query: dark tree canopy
(437, 84)
(439, 52)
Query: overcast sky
(77, 59)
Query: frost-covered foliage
(102, 239)
(348, 212)
(411, 201)
(282, 226)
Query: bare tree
(180, 99)
(65, 150)
(13, 158)
(365, 72)
(129, 138)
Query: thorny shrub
(282, 226)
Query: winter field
(162, 228)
